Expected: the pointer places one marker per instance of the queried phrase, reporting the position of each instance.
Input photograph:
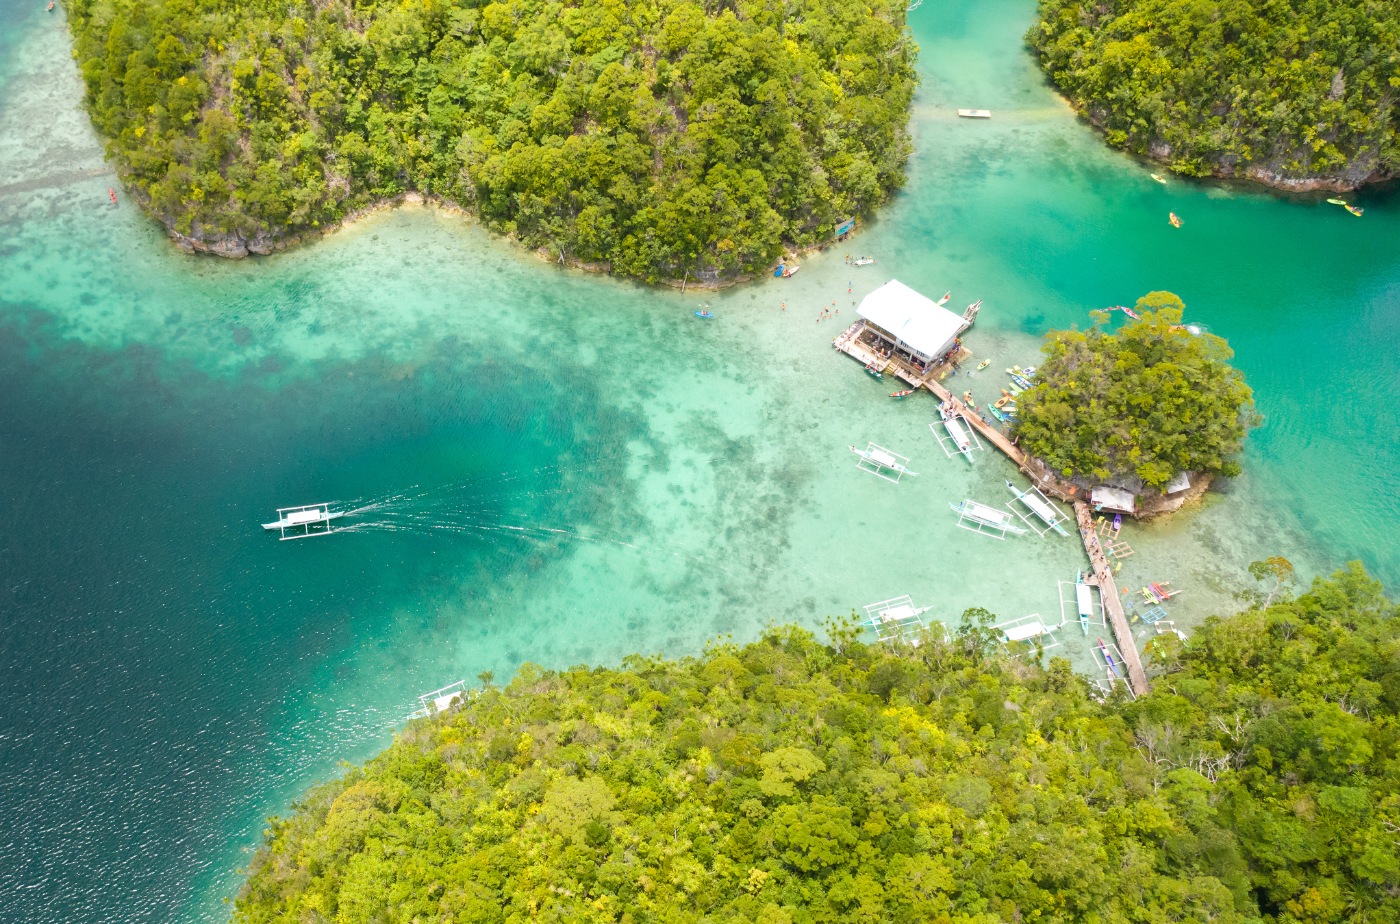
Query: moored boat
(903, 394)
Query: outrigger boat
(983, 519)
(1040, 505)
(305, 519)
(1171, 217)
(865, 261)
(903, 394)
(956, 431)
(946, 295)
(880, 458)
(1109, 661)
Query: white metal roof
(915, 319)
(1113, 498)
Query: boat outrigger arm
(304, 520)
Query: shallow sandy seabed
(710, 490)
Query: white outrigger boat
(1039, 505)
(305, 519)
(958, 439)
(989, 521)
(895, 618)
(877, 460)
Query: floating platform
(304, 520)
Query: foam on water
(562, 468)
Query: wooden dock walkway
(1112, 602)
(849, 342)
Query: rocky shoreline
(233, 245)
(1266, 173)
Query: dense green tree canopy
(1295, 88)
(791, 781)
(1149, 400)
(659, 135)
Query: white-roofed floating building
(905, 332)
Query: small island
(795, 781)
(655, 140)
(1299, 96)
(1150, 410)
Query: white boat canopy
(913, 320)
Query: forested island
(658, 138)
(794, 781)
(1139, 405)
(1301, 95)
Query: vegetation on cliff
(1149, 400)
(1309, 88)
(661, 136)
(793, 781)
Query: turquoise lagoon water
(561, 468)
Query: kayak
(944, 299)
(1355, 211)
(1171, 217)
(999, 415)
(864, 261)
(873, 371)
(1159, 178)
(901, 394)
(703, 314)
(1337, 201)
(985, 364)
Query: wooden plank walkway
(1103, 574)
(849, 342)
(1112, 602)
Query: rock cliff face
(234, 245)
(1362, 169)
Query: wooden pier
(849, 342)
(1108, 593)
